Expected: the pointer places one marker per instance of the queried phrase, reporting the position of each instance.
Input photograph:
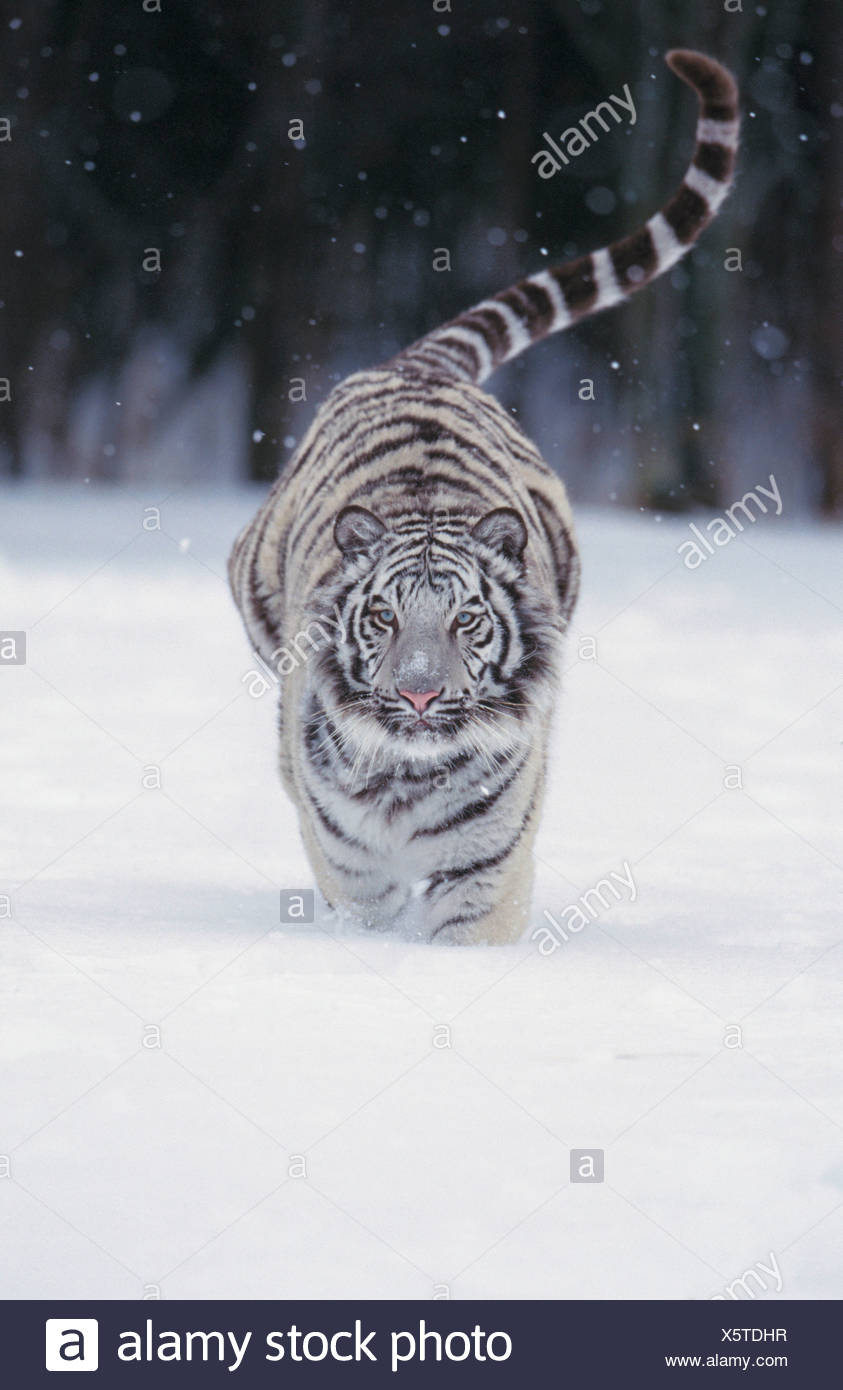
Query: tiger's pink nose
(420, 699)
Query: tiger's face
(444, 648)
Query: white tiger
(420, 554)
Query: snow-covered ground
(200, 1101)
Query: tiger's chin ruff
(486, 731)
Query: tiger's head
(444, 646)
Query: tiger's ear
(356, 529)
(502, 530)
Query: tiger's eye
(385, 616)
(464, 618)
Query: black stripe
(379, 897)
(686, 213)
(636, 250)
(714, 159)
(417, 477)
(720, 110)
(344, 869)
(381, 450)
(342, 401)
(460, 345)
(435, 360)
(576, 281)
(456, 761)
(461, 918)
(562, 549)
(479, 866)
(473, 809)
(532, 304)
(331, 825)
(427, 433)
(713, 84)
(488, 325)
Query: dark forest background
(138, 127)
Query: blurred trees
(145, 137)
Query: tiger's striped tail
(471, 346)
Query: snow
(202, 1102)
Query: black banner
(406, 1343)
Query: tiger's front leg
(448, 907)
(491, 908)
